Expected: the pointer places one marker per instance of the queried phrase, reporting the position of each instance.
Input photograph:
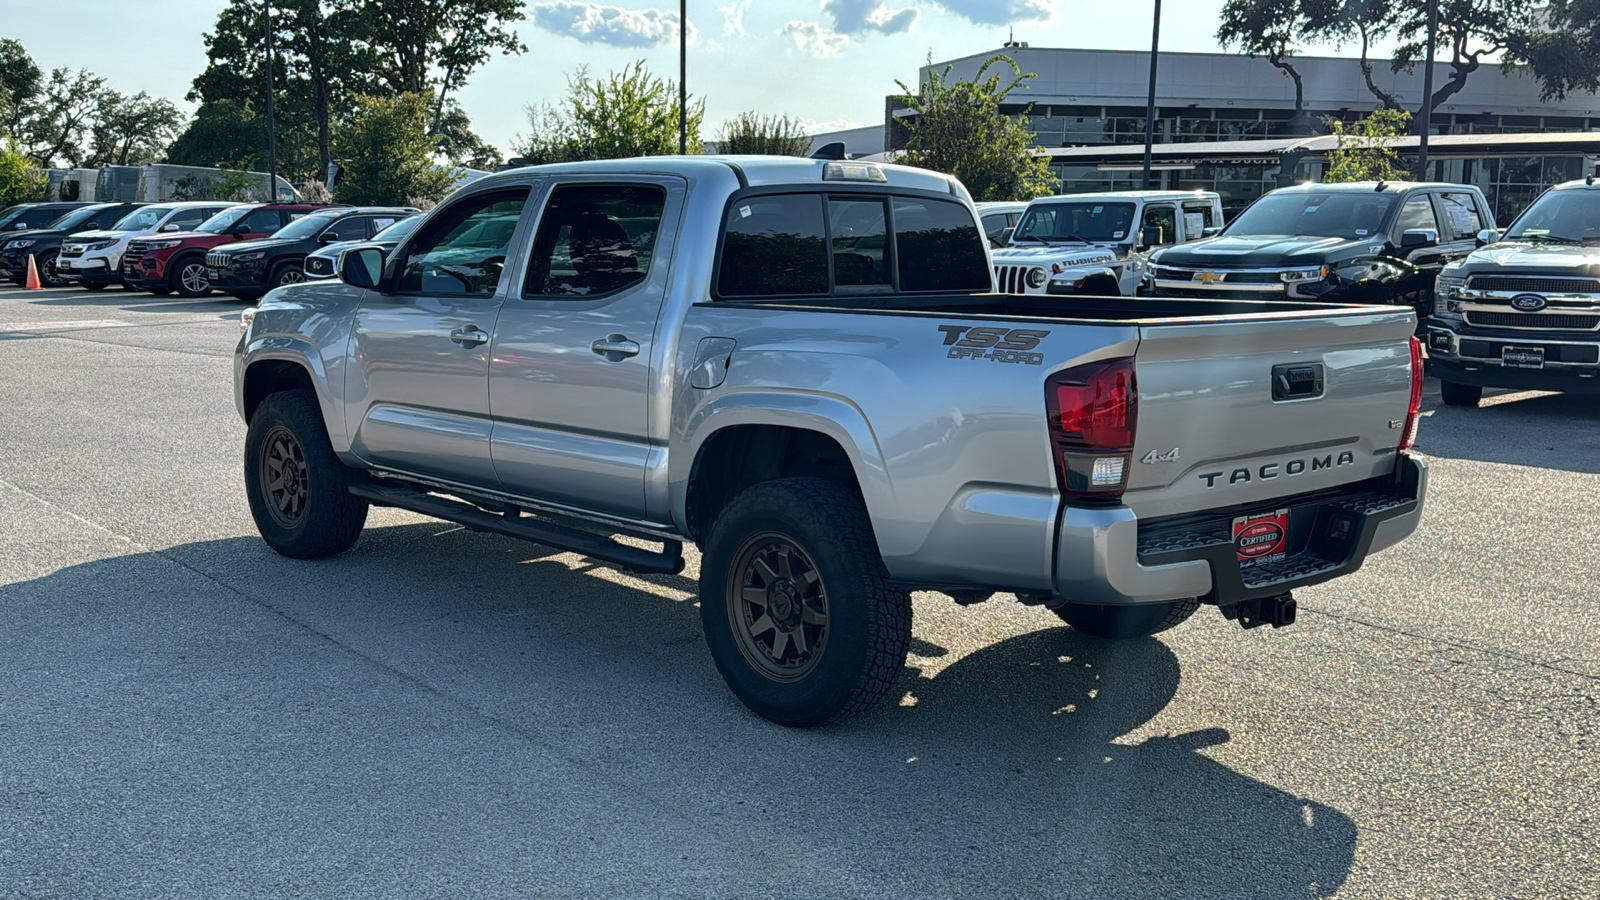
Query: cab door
(418, 382)
(574, 350)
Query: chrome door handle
(469, 336)
(615, 347)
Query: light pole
(1426, 125)
(683, 77)
(272, 134)
(1150, 102)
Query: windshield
(1087, 220)
(305, 227)
(1558, 216)
(1340, 214)
(10, 212)
(75, 218)
(142, 219)
(398, 230)
(224, 220)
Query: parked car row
(1518, 309)
(188, 248)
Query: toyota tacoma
(801, 366)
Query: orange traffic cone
(32, 281)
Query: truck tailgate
(1250, 410)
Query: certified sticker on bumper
(1261, 538)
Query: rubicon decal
(1261, 538)
(1000, 345)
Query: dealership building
(1228, 123)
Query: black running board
(667, 561)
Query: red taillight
(1408, 436)
(1093, 411)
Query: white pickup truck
(1098, 244)
(801, 366)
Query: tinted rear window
(799, 245)
(938, 247)
(775, 246)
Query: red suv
(164, 263)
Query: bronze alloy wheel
(778, 607)
(284, 477)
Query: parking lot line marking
(58, 326)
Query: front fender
(827, 414)
(302, 352)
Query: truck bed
(1088, 310)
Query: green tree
(626, 114)
(223, 133)
(20, 83)
(1363, 21)
(1565, 55)
(386, 152)
(1469, 31)
(752, 132)
(959, 130)
(20, 180)
(56, 128)
(132, 131)
(1272, 29)
(1366, 149)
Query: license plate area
(1522, 357)
(1261, 538)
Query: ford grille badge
(1529, 302)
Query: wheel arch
(748, 440)
(285, 365)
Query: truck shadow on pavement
(1005, 773)
(1542, 430)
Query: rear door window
(595, 239)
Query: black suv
(24, 216)
(44, 244)
(251, 268)
(1363, 242)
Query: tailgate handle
(1296, 381)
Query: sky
(829, 63)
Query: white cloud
(856, 16)
(596, 23)
(733, 17)
(814, 38)
(1000, 12)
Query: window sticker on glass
(744, 212)
(1310, 209)
(1118, 234)
(1361, 232)
(381, 224)
(1097, 210)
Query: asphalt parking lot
(442, 714)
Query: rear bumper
(1107, 556)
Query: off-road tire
(1120, 623)
(322, 518)
(182, 280)
(287, 273)
(1454, 394)
(859, 649)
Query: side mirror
(329, 237)
(362, 267)
(169, 228)
(1005, 236)
(1150, 237)
(1488, 236)
(1211, 231)
(1412, 238)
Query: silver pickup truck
(800, 366)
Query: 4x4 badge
(1153, 457)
